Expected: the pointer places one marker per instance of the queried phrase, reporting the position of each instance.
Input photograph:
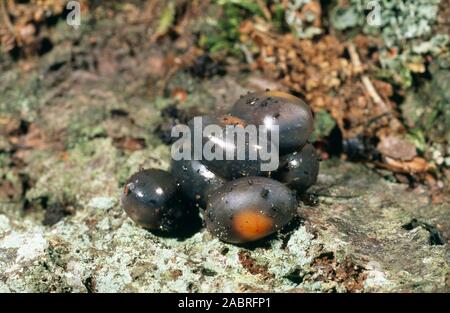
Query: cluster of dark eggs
(239, 202)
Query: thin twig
(354, 57)
(6, 18)
(264, 9)
(248, 55)
(356, 62)
(373, 93)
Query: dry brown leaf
(415, 166)
(397, 148)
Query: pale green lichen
(405, 26)
(398, 20)
(100, 249)
(303, 28)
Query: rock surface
(358, 238)
(87, 115)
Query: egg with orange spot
(248, 209)
(292, 115)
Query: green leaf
(417, 137)
(167, 18)
(248, 5)
(324, 124)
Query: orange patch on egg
(252, 225)
(232, 120)
(283, 95)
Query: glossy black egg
(151, 199)
(194, 178)
(228, 161)
(250, 208)
(299, 169)
(293, 116)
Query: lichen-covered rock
(82, 118)
(356, 239)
